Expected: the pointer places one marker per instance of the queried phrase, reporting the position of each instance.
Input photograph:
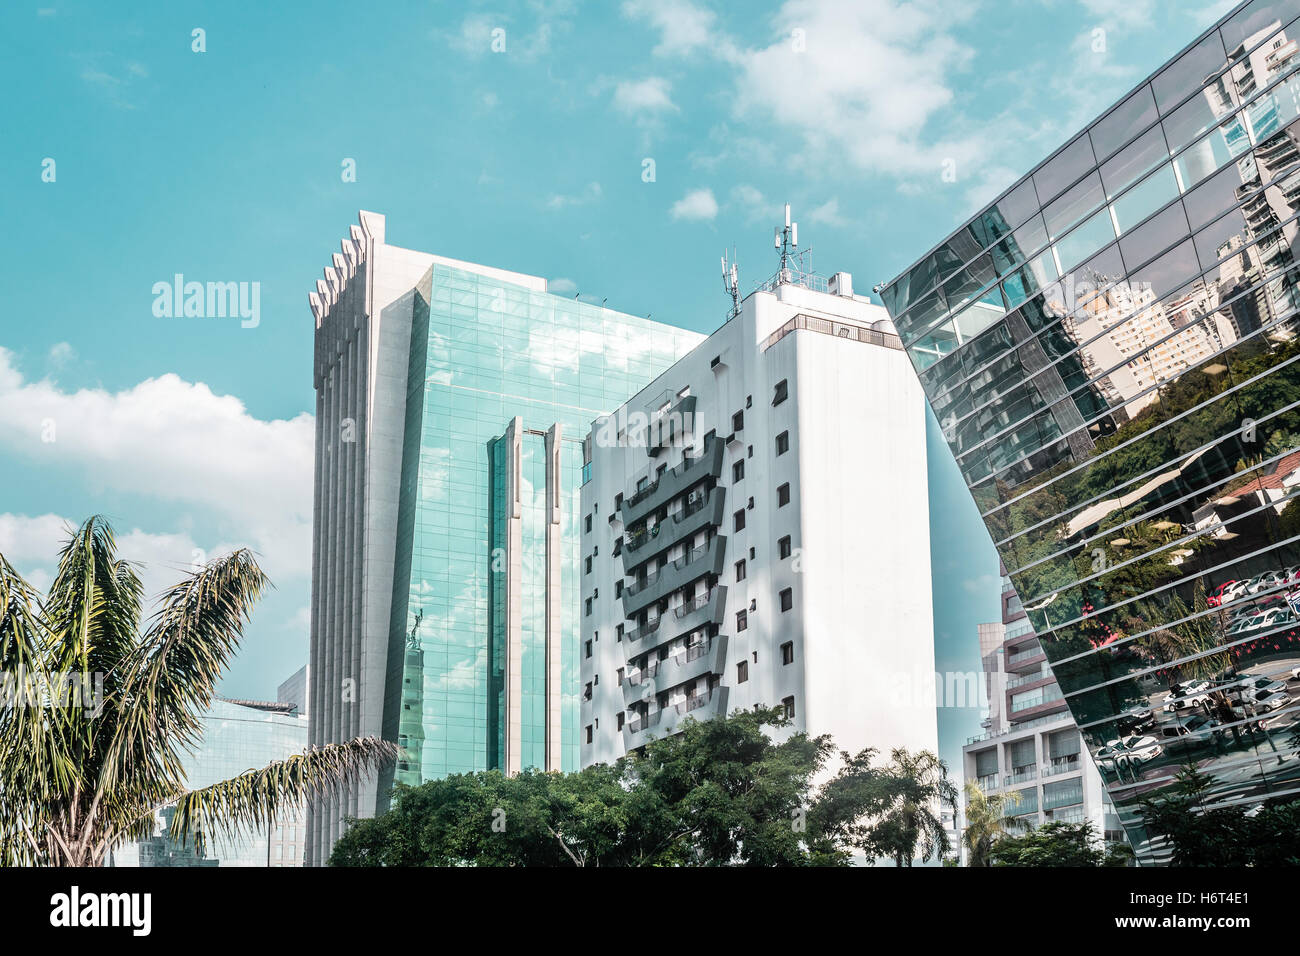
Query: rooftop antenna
(786, 242)
(731, 282)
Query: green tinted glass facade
(482, 353)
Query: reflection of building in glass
(1032, 751)
(743, 564)
(1142, 498)
(451, 403)
(237, 736)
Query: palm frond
(254, 798)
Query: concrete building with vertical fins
(451, 403)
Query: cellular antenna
(786, 242)
(731, 282)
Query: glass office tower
(1111, 351)
(503, 385)
(452, 401)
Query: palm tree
(78, 779)
(986, 822)
(918, 784)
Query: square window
(738, 470)
(742, 620)
(782, 392)
(787, 652)
(787, 598)
(788, 705)
(740, 570)
(742, 671)
(738, 520)
(783, 495)
(783, 548)
(782, 443)
(738, 421)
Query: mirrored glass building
(1111, 350)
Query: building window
(787, 599)
(587, 564)
(618, 633)
(782, 392)
(783, 495)
(742, 620)
(788, 705)
(740, 570)
(618, 720)
(738, 520)
(618, 589)
(588, 648)
(782, 443)
(589, 733)
(586, 525)
(738, 421)
(787, 652)
(621, 675)
(742, 671)
(783, 548)
(588, 607)
(738, 470)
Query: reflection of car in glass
(1198, 727)
(1225, 592)
(1271, 701)
(1265, 581)
(1245, 623)
(1130, 748)
(1253, 688)
(1136, 721)
(1295, 673)
(1188, 694)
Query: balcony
(682, 620)
(674, 576)
(674, 482)
(674, 425)
(641, 730)
(1020, 657)
(1060, 765)
(709, 656)
(705, 511)
(1021, 775)
(1043, 674)
(988, 782)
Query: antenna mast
(731, 282)
(786, 242)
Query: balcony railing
(987, 782)
(1021, 775)
(644, 630)
(1060, 765)
(1025, 655)
(1028, 678)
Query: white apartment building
(1031, 745)
(756, 532)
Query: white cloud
(698, 204)
(61, 353)
(32, 544)
(828, 213)
(683, 27)
(650, 96)
(589, 194)
(865, 83)
(562, 286)
(175, 441)
(1121, 13)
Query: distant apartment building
(755, 531)
(1030, 746)
(452, 400)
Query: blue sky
(194, 435)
